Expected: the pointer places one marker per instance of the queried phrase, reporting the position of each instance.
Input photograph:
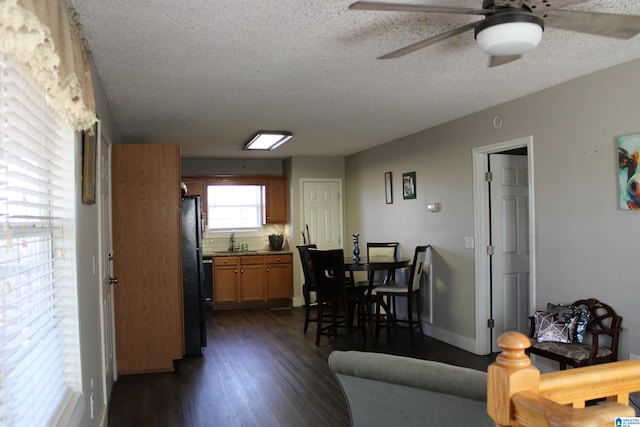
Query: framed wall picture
(409, 185)
(89, 148)
(629, 172)
(388, 189)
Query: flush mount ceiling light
(509, 33)
(267, 140)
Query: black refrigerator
(195, 336)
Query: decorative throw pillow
(550, 329)
(581, 326)
(567, 313)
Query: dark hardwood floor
(259, 369)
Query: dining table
(370, 265)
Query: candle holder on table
(356, 248)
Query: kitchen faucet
(232, 241)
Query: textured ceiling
(208, 74)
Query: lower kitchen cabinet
(252, 281)
(278, 276)
(225, 280)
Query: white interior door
(322, 212)
(509, 200)
(106, 270)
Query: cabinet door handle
(268, 270)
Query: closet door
(147, 261)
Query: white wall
(88, 279)
(585, 244)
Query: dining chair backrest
(417, 268)
(382, 249)
(329, 271)
(305, 259)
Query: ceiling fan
(511, 28)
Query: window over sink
(234, 207)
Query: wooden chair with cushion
(308, 286)
(603, 327)
(380, 249)
(333, 294)
(386, 295)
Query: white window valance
(45, 37)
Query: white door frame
(483, 237)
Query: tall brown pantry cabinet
(146, 257)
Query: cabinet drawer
(251, 259)
(225, 260)
(279, 259)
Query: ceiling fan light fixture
(267, 140)
(506, 34)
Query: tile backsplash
(257, 241)
(221, 244)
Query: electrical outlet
(633, 356)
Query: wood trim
(234, 179)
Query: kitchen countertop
(240, 253)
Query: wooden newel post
(512, 372)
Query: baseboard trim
(460, 341)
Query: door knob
(113, 280)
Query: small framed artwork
(629, 172)
(409, 185)
(388, 189)
(89, 147)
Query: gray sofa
(387, 390)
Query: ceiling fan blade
(395, 7)
(428, 42)
(600, 24)
(496, 61)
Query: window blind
(234, 206)
(39, 347)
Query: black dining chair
(335, 295)
(380, 249)
(309, 285)
(386, 295)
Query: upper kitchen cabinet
(276, 201)
(147, 257)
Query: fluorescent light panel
(267, 140)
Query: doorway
(505, 240)
(322, 212)
(107, 325)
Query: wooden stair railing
(518, 395)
